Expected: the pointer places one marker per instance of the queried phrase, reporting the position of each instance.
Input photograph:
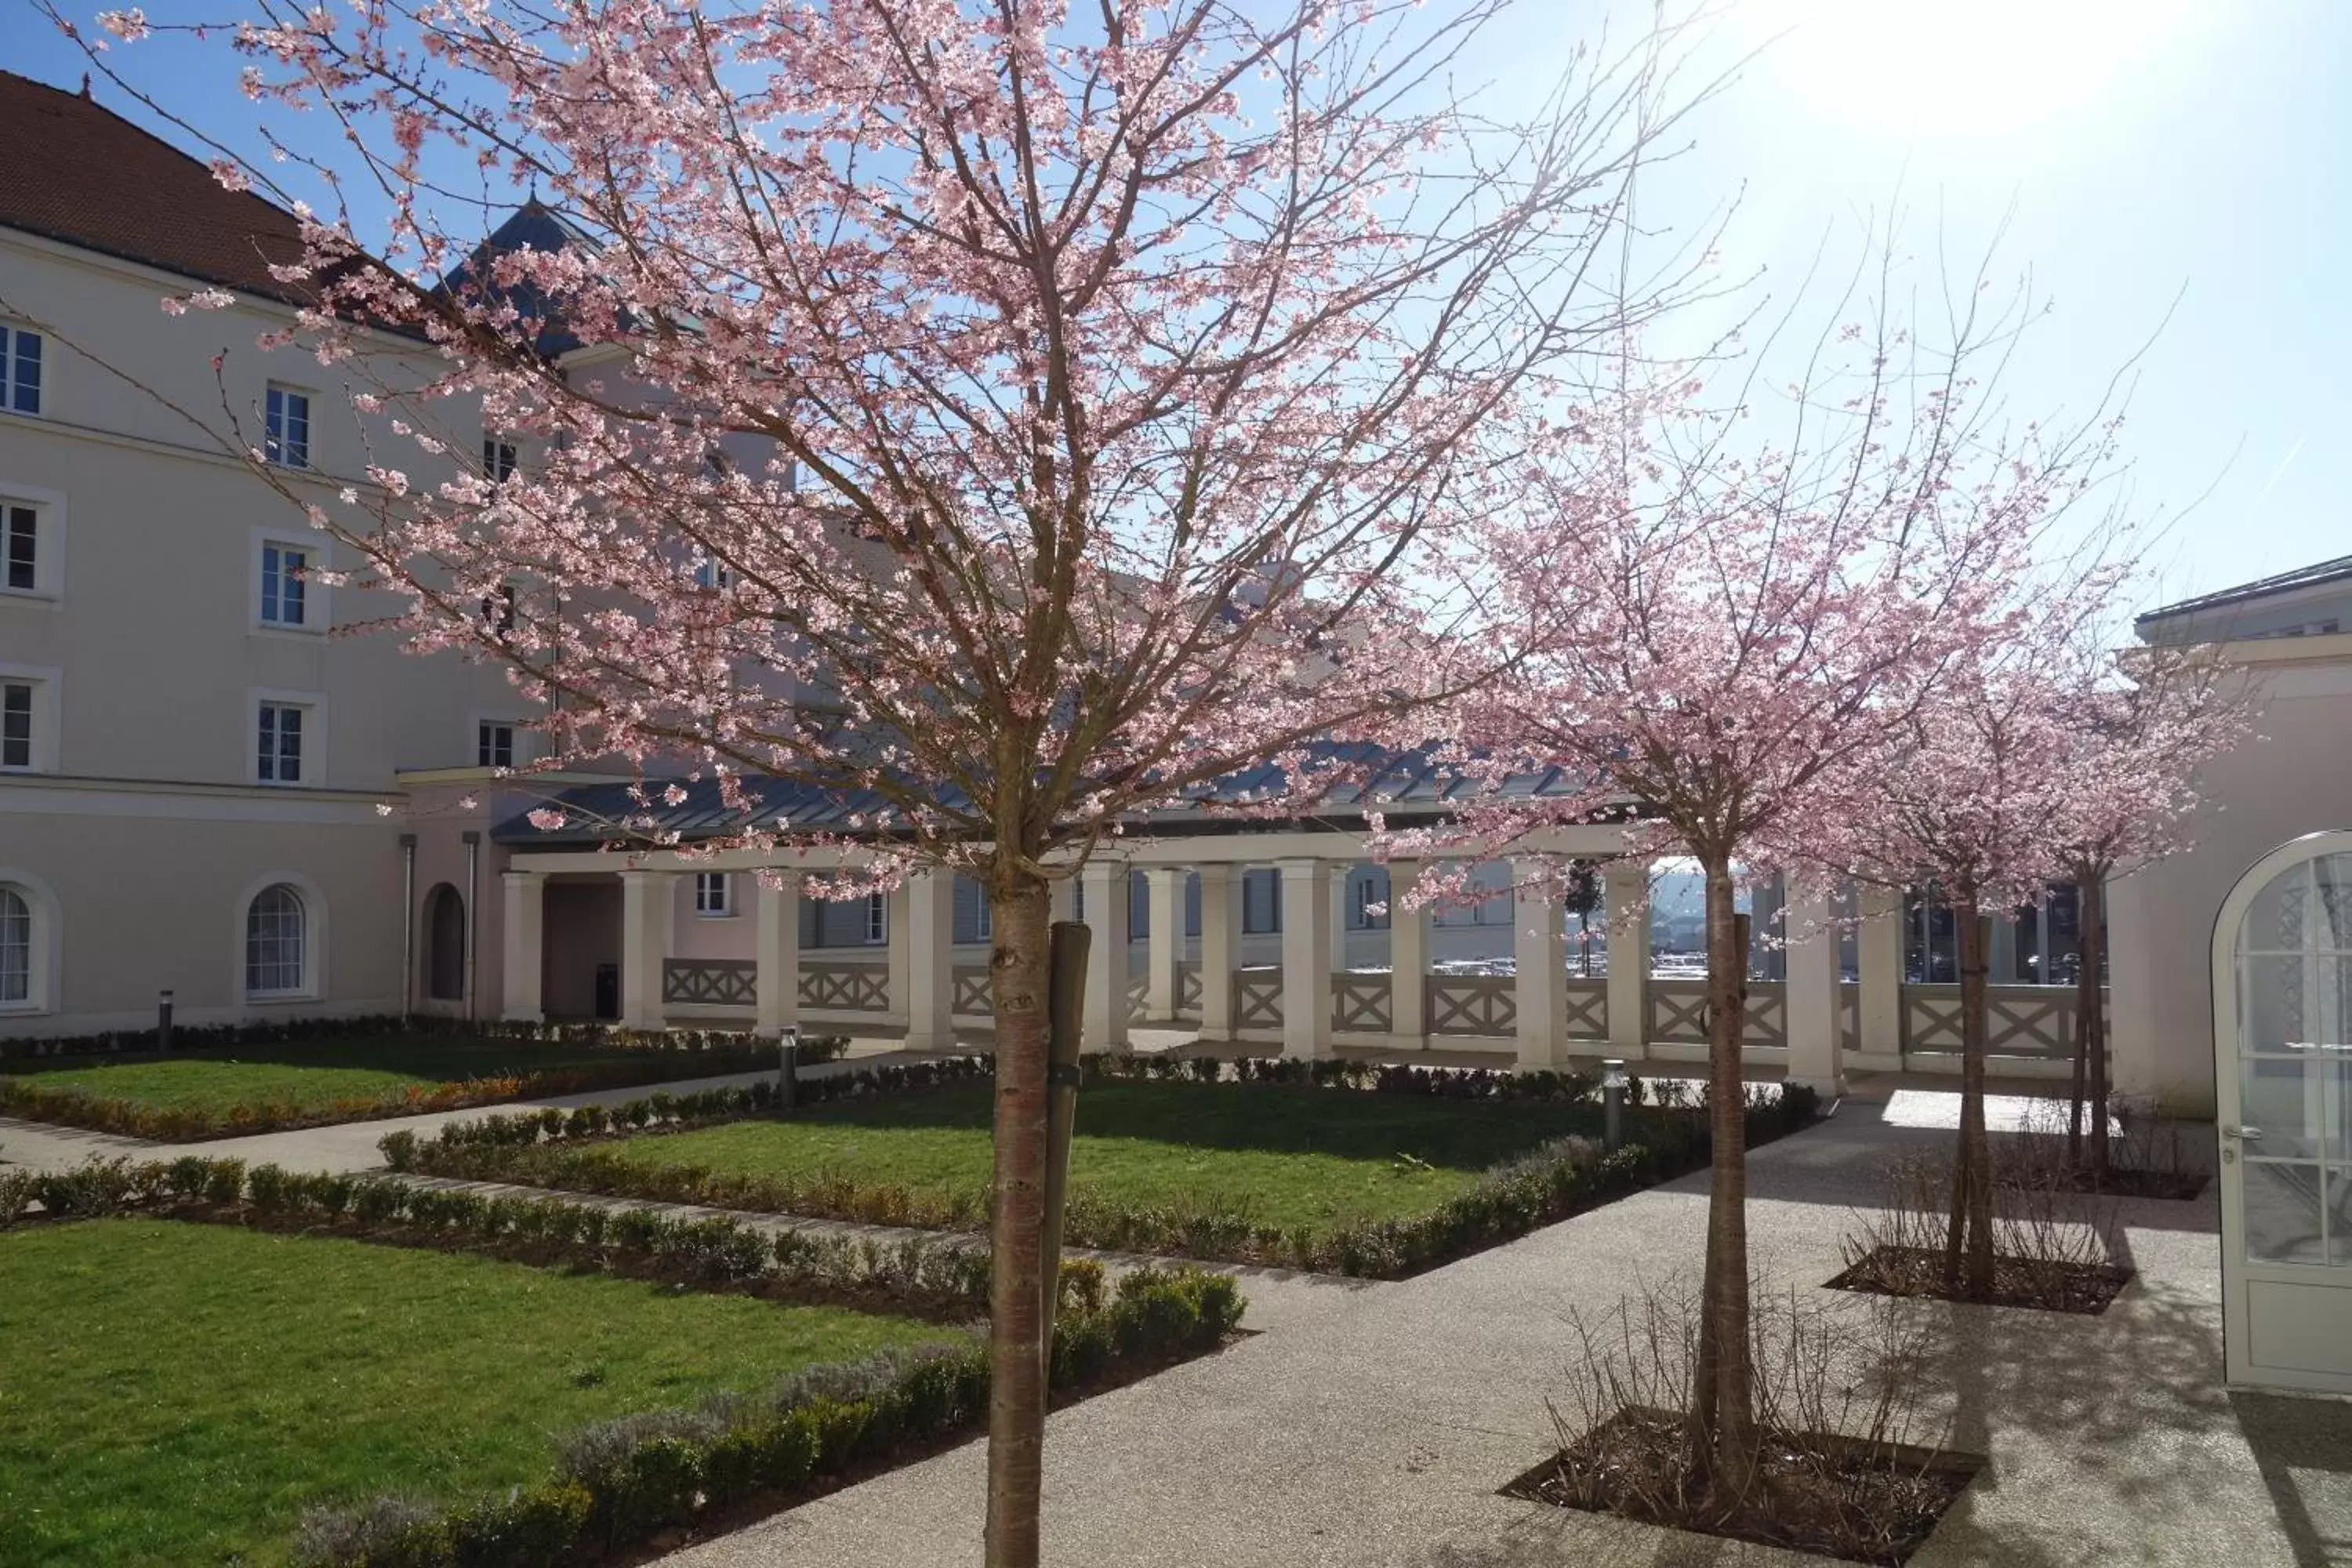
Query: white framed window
(877, 919)
(28, 943)
(20, 547)
(288, 745)
(1369, 891)
(713, 573)
(285, 572)
(714, 894)
(494, 744)
(20, 369)
(28, 719)
(983, 917)
(498, 460)
(32, 542)
(278, 955)
(287, 594)
(285, 417)
(16, 725)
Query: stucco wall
(146, 903)
(2295, 779)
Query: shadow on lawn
(1263, 1118)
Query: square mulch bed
(1817, 1492)
(2081, 1287)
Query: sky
(2174, 177)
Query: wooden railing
(2020, 1020)
(1360, 1004)
(1471, 1004)
(1587, 1017)
(845, 987)
(1138, 991)
(1678, 1012)
(1187, 989)
(971, 998)
(1257, 999)
(710, 981)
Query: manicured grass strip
(176, 1394)
(1295, 1159)
(259, 1085)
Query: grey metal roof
(2318, 573)
(1406, 785)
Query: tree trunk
(1969, 1258)
(1723, 1410)
(2091, 1001)
(1017, 1317)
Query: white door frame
(2284, 1287)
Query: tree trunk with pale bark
(1969, 1253)
(1723, 1438)
(1016, 1319)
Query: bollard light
(788, 1067)
(164, 1021)
(1613, 1084)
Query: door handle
(2248, 1134)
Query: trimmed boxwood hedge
(650, 1058)
(943, 1277)
(559, 1149)
(622, 1482)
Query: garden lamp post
(788, 1066)
(1613, 1103)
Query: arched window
(275, 943)
(15, 947)
(444, 944)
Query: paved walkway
(1378, 1433)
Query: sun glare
(1977, 70)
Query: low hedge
(942, 1277)
(211, 1037)
(655, 1060)
(621, 1483)
(557, 1149)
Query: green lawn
(1312, 1158)
(175, 1393)
(306, 1075)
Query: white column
(1816, 1056)
(1062, 900)
(1408, 962)
(1106, 1000)
(1626, 899)
(1220, 951)
(648, 901)
(776, 980)
(1339, 875)
(1539, 945)
(525, 907)
(929, 899)
(898, 946)
(1305, 957)
(1167, 942)
(1880, 951)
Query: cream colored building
(192, 764)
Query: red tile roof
(80, 172)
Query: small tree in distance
(1730, 638)
(1012, 417)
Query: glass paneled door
(2283, 1041)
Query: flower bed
(1553, 1181)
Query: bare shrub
(2049, 1242)
(2149, 1155)
(1839, 1400)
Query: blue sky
(2137, 158)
